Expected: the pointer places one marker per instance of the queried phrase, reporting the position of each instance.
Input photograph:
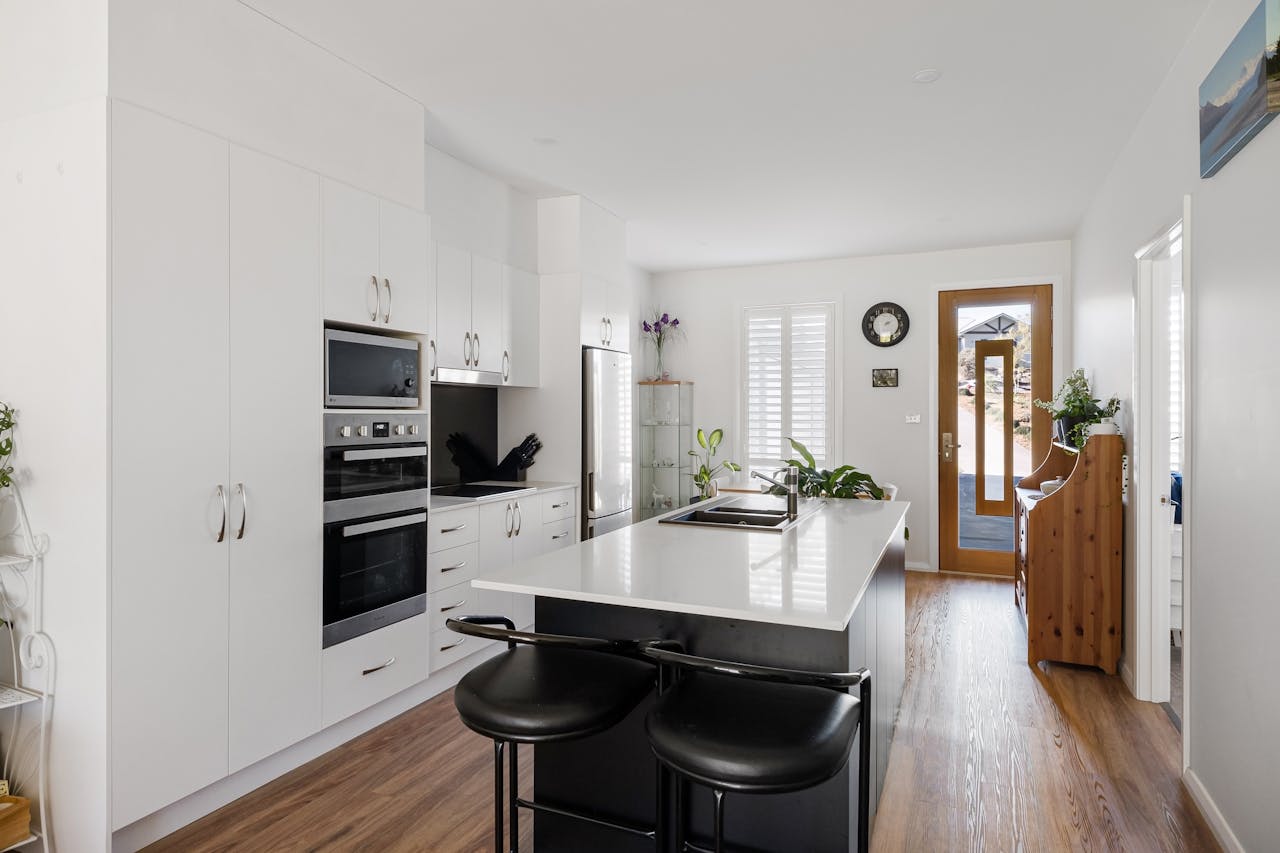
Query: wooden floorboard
(990, 754)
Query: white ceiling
(747, 131)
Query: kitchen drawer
(452, 566)
(457, 600)
(558, 534)
(354, 673)
(557, 505)
(448, 647)
(453, 527)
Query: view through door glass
(982, 435)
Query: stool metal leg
(497, 796)
(719, 845)
(864, 766)
(514, 808)
(681, 788)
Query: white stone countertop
(439, 503)
(812, 575)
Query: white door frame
(1150, 633)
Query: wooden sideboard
(1068, 555)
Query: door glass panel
(995, 322)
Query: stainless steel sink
(734, 518)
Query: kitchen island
(826, 594)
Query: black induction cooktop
(473, 490)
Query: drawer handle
(452, 645)
(453, 606)
(461, 565)
(559, 536)
(390, 661)
(560, 506)
(462, 526)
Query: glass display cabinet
(666, 437)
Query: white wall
(1233, 589)
(227, 69)
(54, 370)
(875, 437)
(52, 53)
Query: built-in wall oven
(375, 521)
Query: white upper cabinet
(521, 312)
(580, 237)
(169, 483)
(275, 479)
(376, 261)
(453, 307)
(486, 314)
(406, 268)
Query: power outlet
(913, 419)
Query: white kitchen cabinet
(376, 257)
(580, 237)
(486, 314)
(275, 472)
(453, 307)
(511, 531)
(367, 669)
(407, 275)
(521, 312)
(170, 337)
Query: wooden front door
(995, 356)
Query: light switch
(913, 419)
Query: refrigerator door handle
(591, 491)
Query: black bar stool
(749, 729)
(547, 688)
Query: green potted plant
(1074, 409)
(845, 481)
(8, 418)
(706, 470)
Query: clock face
(885, 324)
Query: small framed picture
(884, 377)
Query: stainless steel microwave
(366, 370)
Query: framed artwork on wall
(884, 377)
(1241, 94)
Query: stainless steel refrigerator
(606, 441)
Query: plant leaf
(702, 437)
(803, 451)
(713, 441)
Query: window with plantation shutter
(789, 380)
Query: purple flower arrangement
(661, 329)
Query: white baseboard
(920, 567)
(1126, 675)
(155, 826)
(1212, 814)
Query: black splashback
(473, 412)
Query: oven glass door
(360, 472)
(375, 573)
(370, 370)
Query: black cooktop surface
(473, 490)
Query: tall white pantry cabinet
(216, 485)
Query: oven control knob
(362, 431)
(345, 431)
(401, 429)
(409, 383)
(413, 429)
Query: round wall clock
(885, 324)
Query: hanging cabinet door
(453, 307)
(486, 313)
(276, 478)
(352, 289)
(405, 238)
(170, 440)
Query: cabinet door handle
(466, 348)
(560, 505)
(519, 519)
(559, 536)
(432, 345)
(244, 509)
(475, 351)
(452, 645)
(454, 568)
(377, 297)
(510, 520)
(453, 606)
(222, 531)
(608, 324)
(387, 315)
(506, 366)
(462, 526)
(383, 665)
(604, 338)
